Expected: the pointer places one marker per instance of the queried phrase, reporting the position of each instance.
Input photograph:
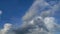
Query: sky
(13, 10)
(16, 11)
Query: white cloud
(7, 26)
(6, 29)
(34, 9)
(50, 22)
(38, 9)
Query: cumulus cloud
(37, 7)
(34, 9)
(42, 9)
(50, 22)
(39, 19)
(6, 29)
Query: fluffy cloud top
(6, 29)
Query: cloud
(50, 23)
(6, 29)
(37, 7)
(42, 9)
(34, 9)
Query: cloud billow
(38, 8)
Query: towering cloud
(37, 7)
(34, 9)
(42, 9)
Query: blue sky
(13, 10)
